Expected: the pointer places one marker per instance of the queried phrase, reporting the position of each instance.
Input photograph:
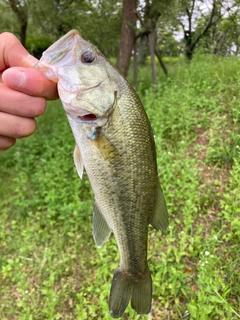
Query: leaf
(193, 310)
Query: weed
(49, 265)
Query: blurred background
(182, 57)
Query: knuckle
(39, 107)
(46, 88)
(24, 128)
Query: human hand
(23, 91)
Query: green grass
(50, 267)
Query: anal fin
(101, 230)
(160, 217)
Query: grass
(50, 267)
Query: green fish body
(115, 145)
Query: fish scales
(115, 145)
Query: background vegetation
(175, 26)
(50, 267)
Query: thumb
(30, 81)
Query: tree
(189, 13)
(20, 9)
(149, 18)
(8, 21)
(226, 35)
(152, 13)
(56, 17)
(98, 21)
(127, 40)
(191, 39)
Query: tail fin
(126, 286)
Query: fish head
(88, 85)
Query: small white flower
(26, 291)
(207, 253)
(202, 264)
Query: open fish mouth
(81, 115)
(87, 117)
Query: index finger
(13, 53)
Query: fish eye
(87, 57)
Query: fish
(115, 145)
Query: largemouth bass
(115, 145)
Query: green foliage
(37, 44)
(50, 267)
(8, 21)
(98, 22)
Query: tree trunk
(220, 42)
(21, 11)
(190, 37)
(127, 35)
(149, 24)
(161, 61)
(188, 45)
(151, 40)
(143, 48)
(135, 63)
(23, 31)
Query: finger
(31, 82)
(16, 127)
(20, 104)
(13, 53)
(6, 142)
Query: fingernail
(32, 58)
(14, 78)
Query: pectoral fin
(101, 230)
(160, 217)
(78, 161)
(106, 148)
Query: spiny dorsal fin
(101, 230)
